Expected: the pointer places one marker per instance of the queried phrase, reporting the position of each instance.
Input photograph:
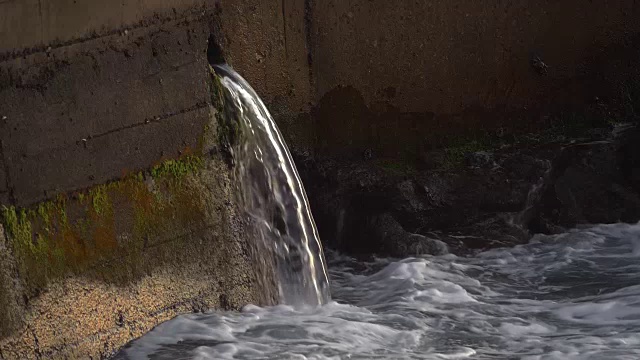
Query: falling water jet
(272, 195)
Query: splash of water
(272, 195)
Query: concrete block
(61, 21)
(62, 102)
(5, 199)
(20, 25)
(3, 177)
(40, 176)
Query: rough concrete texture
(415, 73)
(105, 265)
(67, 106)
(54, 23)
(89, 112)
(266, 41)
(447, 56)
(439, 69)
(3, 176)
(403, 77)
(107, 233)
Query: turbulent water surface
(571, 296)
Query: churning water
(569, 296)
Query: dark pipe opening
(215, 55)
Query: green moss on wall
(99, 200)
(119, 219)
(228, 126)
(178, 169)
(217, 90)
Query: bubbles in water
(571, 296)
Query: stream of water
(271, 194)
(569, 296)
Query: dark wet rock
(592, 183)
(480, 159)
(629, 152)
(364, 208)
(394, 240)
(492, 199)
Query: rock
(592, 183)
(430, 160)
(497, 198)
(421, 245)
(539, 66)
(408, 196)
(629, 154)
(391, 239)
(481, 159)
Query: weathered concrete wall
(445, 56)
(117, 207)
(108, 75)
(28, 26)
(88, 273)
(405, 76)
(89, 112)
(266, 41)
(417, 73)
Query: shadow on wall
(604, 90)
(345, 126)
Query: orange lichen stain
(69, 235)
(72, 245)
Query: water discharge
(569, 296)
(272, 195)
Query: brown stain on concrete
(143, 249)
(123, 214)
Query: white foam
(518, 331)
(572, 296)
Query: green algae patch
(397, 166)
(38, 238)
(99, 200)
(79, 233)
(228, 126)
(216, 89)
(178, 169)
(454, 155)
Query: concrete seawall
(412, 76)
(106, 109)
(403, 77)
(118, 207)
